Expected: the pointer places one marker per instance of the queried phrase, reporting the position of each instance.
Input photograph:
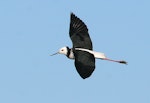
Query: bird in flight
(82, 50)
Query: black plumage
(84, 61)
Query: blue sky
(31, 30)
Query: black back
(84, 61)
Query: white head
(62, 50)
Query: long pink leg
(118, 61)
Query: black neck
(68, 52)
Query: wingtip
(72, 14)
(85, 77)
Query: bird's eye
(62, 50)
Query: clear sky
(31, 30)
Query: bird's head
(62, 50)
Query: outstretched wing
(79, 33)
(84, 61)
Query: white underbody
(97, 55)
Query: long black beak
(54, 54)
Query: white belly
(97, 55)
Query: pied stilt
(82, 50)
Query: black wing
(79, 33)
(84, 61)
